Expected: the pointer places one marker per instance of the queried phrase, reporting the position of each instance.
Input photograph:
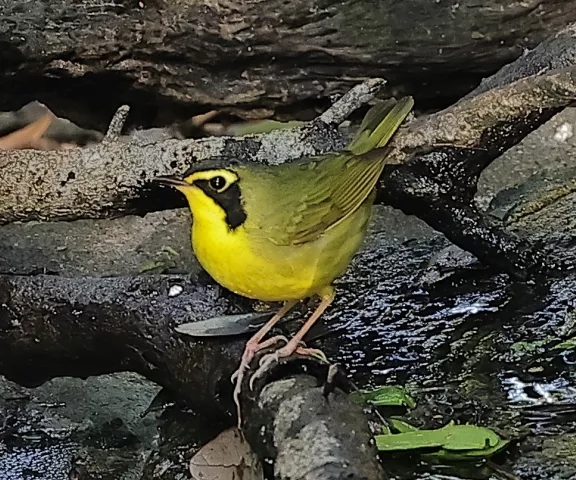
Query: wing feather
(307, 198)
(310, 201)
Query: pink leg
(293, 346)
(253, 346)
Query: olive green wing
(296, 203)
(307, 198)
(379, 124)
(341, 186)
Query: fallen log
(256, 58)
(43, 317)
(127, 323)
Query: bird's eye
(218, 183)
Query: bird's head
(213, 193)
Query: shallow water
(73, 427)
(473, 347)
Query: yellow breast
(252, 266)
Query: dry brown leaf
(199, 120)
(30, 136)
(227, 457)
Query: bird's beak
(171, 181)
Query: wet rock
(542, 149)
(92, 426)
(127, 245)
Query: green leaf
(569, 344)
(453, 455)
(469, 437)
(400, 426)
(453, 441)
(410, 440)
(387, 396)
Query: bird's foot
(251, 349)
(270, 359)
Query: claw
(238, 376)
(267, 361)
(313, 352)
(293, 346)
(236, 395)
(263, 366)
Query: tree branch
(113, 177)
(108, 179)
(309, 434)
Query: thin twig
(116, 124)
(355, 98)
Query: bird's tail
(379, 124)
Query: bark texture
(311, 435)
(108, 179)
(255, 57)
(56, 326)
